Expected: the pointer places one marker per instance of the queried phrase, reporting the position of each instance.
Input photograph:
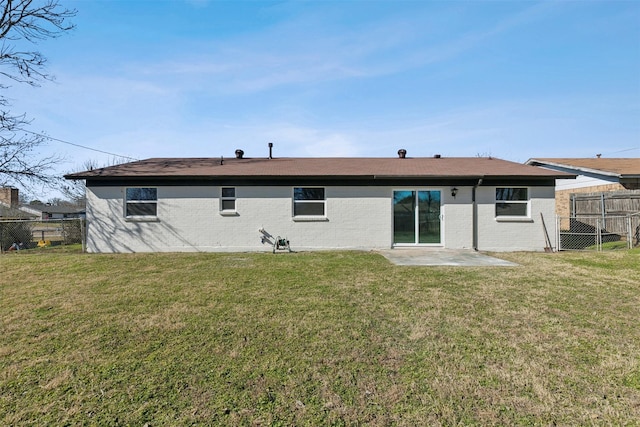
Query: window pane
(137, 209)
(308, 193)
(511, 209)
(306, 208)
(429, 216)
(404, 218)
(512, 194)
(142, 194)
(228, 205)
(228, 192)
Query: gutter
(475, 214)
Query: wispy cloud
(336, 80)
(297, 53)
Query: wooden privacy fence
(606, 203)
(610, 207)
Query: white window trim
(139, 218)
(308, 218)
(229, 212)
(513, 218)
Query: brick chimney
(9, 196)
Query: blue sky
(511, 79)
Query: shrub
(72, 232)
(16, 232)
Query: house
(47, 211)
(245, 204)
(10, 208)
(619, 176)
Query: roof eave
(542, 163)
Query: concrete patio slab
(437, 256)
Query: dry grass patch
(341, 338)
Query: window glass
(143, 193)
(141, 201)
(228, 199)
(305, 193)
(512, 201)
(141, 209)
(228, 205)
(512, 194)
(308, 209)
(511, 209)
(308, 201)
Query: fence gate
(597, 233)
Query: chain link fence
(29, 234)
(597, 233)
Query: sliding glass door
(416, 217)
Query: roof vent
(437, 156)
(402, 153)
(271, 150)
(239, 154)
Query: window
(141, 202)
(308, 201)
(228, 199)
(512, 201)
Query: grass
(332, 338)
(607, 246)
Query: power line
(78, 145)
(623, 151)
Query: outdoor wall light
(454, 191)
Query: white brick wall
(518, 235)
(189, 220)
(457, 218)
(357, 218)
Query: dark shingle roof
(425, 167)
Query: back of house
(246, 204)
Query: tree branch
(30, 21)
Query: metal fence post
(604, 210)
(83, 234)
(558, 241)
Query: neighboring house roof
(37, 211)
(622, 168)
(10, 212)
(335, 168)
(54, 209)
(29, 209)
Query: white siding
(357, 218)
(583, 181)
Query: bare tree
(74, 190)
(22, 24)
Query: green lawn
(331, 338)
